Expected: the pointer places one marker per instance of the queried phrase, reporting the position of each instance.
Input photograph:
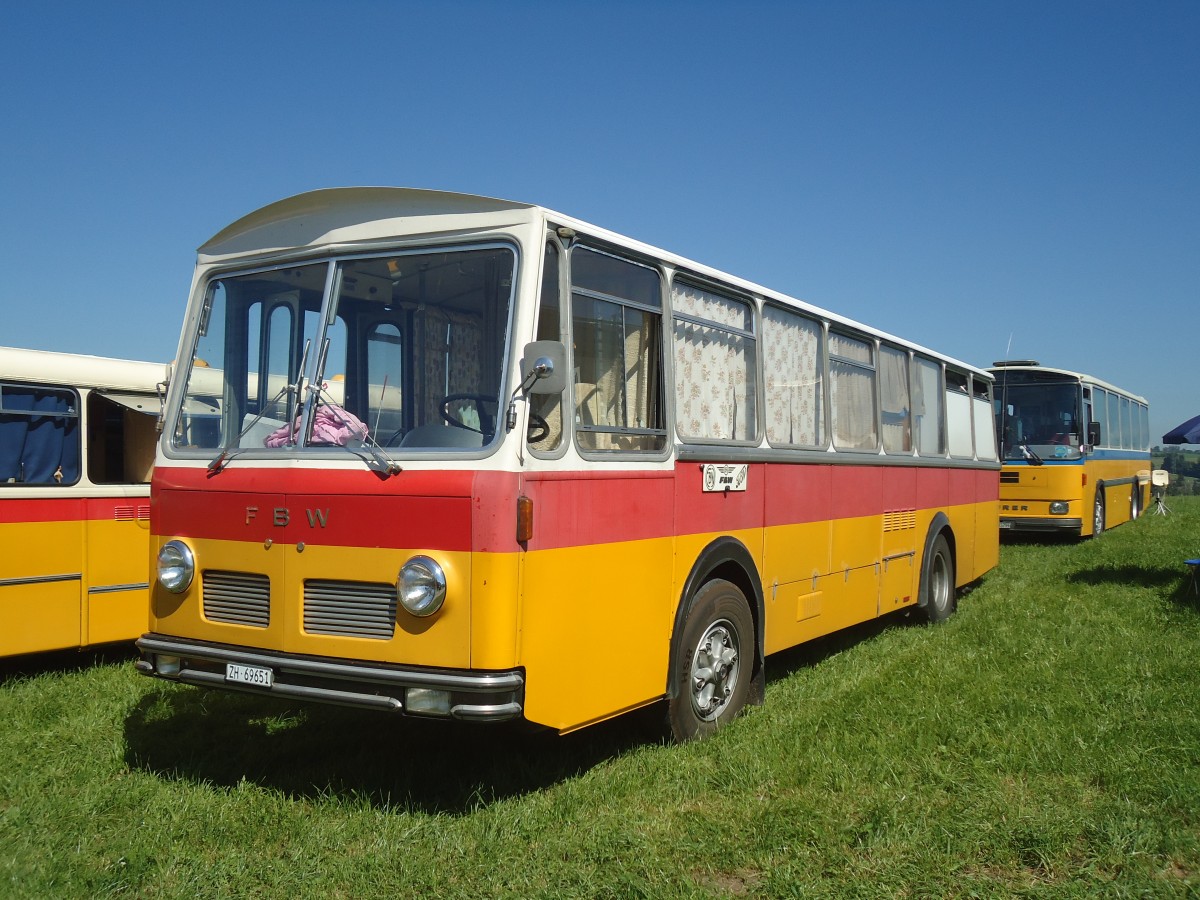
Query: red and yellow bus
(1075, 450)
(446, 455)
(77, 444)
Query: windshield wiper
(372, 454)
(231, 449)
(1031, 457)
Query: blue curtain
(37, 445)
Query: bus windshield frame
(399, 353)
(1041, 421)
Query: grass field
(1045, 742)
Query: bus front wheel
(1135, 501)
(1098, 513)
(937, 600)
(714, 662)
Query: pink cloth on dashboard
(332, 425)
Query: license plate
(255, 675)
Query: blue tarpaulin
(1187, 433)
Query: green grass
(1045, 742)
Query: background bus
(77, 437)
(1076, 450)
(537, 469)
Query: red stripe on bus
(72, 509)
(477, 510)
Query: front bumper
(1058, 524)
(472, 696)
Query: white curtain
(714, 367)
(792, 372)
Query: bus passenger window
(616, 310)
(792, 373)
(852, 393)
(927, 409)
(715, 365)
(958, 415)
(893, 387)
(39, 435)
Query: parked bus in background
(1076, 450)
(77, 438)
(453, 456)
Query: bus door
(41, 519)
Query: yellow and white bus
(1075, 450)
(77, 443)
(453, 456)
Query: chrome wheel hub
(715, 669)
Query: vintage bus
(1075, 450)
(77, 444)
(454, 456)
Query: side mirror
(1094, 434)
(544, 367)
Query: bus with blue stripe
(1075, 450)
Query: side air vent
(237, 598)
(350, 608)
(1010, 477)
(900, 520)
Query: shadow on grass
(32, 665)
(388, 762)
(1184, 592)
(787, 662)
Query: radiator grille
(350, 608)
(237, 598)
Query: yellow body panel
(441, 640)
(80, 583)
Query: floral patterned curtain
(792, 371)
(714, 366)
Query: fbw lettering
(281, 516)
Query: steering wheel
(538, 429)
(486, 419)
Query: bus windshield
(404, 351)
(1039, 421)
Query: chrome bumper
(474, 696)
(1030, 523)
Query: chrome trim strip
(115, 588)
(41, 579)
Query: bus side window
(893, 384)
(715, 365)
(958, 415)
(792, 373)
(121, 438)
(927, 408)
(39, 435)
(548, 407)
(852, 393)
(616, 312)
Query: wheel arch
(939, 526)
(725, 558)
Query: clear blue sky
(962, 174)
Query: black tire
(937, 598)
(714, 662)
(1135, 501)
(1098, 518)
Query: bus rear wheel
(714, 662)
(936, 599)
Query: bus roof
(80, 370)
(999, 370)
(358, 215)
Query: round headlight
(421, 587)
(176, 566)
